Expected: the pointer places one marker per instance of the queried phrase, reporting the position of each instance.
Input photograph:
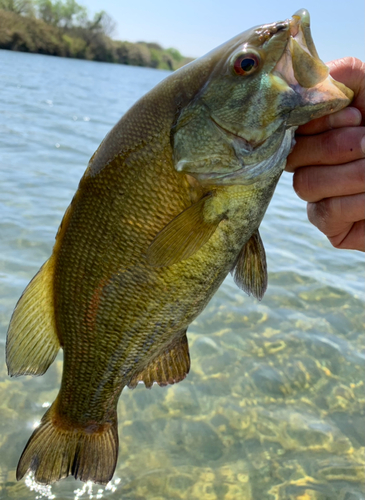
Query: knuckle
(301, 183)
(322, 213)
(354, 63)
(338, 243)
(331, 120)
(360, 173)
(314, 214)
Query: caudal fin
(55, 451)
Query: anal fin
(250, 270)
(32, 342)
(169, 367)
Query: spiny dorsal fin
(32, 342)
(183, 236)
(250, 271)
(169, 367)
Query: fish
(170, 203)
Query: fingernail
(357, 116)
(363, 144)
(345, 118)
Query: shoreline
(21, 33)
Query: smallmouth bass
(170, 203)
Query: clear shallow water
(273, 407)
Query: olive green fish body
(170, 203)
(123, 309)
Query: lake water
(273, 407)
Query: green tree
(25, 7)
(175, 54)
(102, 23)
(72, 13)
(62, 14)
(49, 12)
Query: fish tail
(55, 451)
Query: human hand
(329, 166)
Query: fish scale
(118, 259)
(170, 203)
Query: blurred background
(89, 28)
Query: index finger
(351, 72)
(348, 117)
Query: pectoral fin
(169, 367)
(250, 271)
(183, 236)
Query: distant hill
(88, 40)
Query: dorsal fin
(183, 236)
(250, 270)
(169, 367)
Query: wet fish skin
(170, 203)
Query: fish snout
(280, 29)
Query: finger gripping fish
(170, 203)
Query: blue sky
(197, 26)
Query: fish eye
(246, 63)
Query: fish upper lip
(299, 27)
(294, 25)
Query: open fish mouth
(300, 64)
(301, 69)
(300, 31)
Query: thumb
(351, 72)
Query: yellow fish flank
(170, 203)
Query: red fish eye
(245, 64)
